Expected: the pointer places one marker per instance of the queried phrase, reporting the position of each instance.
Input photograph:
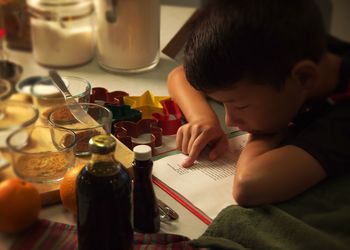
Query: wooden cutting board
(50, 192)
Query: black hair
(259, 40)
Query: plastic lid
(142, 152)
(102, 144)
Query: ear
(306, 73)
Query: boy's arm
(203, 126)
(192, 102)
(267, 174)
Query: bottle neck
(103, 161)
(102, 157)
(143, 169)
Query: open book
(205, 188)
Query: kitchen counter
(172, 18)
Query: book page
(207, 185)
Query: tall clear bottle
(104, 199)
(146, 212)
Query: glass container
(62, 117)
(62, 31)
(15, 115)
(5, 89)
(128, 34)
(41, 154)
(47, 97)
(8, 70)
(16, 23)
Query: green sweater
(317, 219)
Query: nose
(231, 119)
(228, 120)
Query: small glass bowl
(5, 89)
(41, 154)
(15, 115)
(61, 117)
(46, 96)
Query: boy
(267, 63)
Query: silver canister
(128, 34)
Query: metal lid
(142, 152)
(102, 144)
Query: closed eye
(242, 107)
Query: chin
(256, 131)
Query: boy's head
(243, 53)
(259, 40)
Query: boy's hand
(193, 137)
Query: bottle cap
(142, 152)
(102, 144)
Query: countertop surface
(172, 18)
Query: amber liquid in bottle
(104, 205)
(146, 212)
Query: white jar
(128, 34)
(62, 31)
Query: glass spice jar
(62, 31)
(16, 22)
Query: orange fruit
(20, 205)
(68, 188)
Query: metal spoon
(167, 210)
(77, 111)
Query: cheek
(240, 119)
(272, 119)
(255, 120)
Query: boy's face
(259, 108)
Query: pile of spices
(62, 114)
(46, 164)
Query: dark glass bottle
(104, 200)
(146, 212)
